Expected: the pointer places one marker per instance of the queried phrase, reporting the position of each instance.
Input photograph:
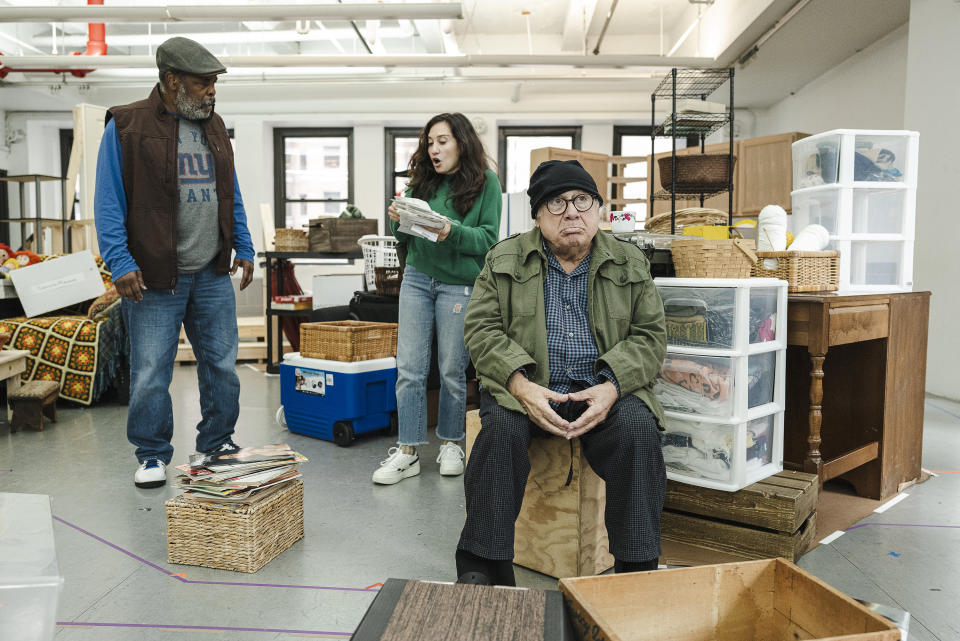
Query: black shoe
(475, 578)
(634, 566)
(495, 572)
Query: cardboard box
(54, 284)
(772, 600)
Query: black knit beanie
(554, 177)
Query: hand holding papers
(416, 217)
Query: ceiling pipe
(96, 46)
(233, 13)
(31, 63)
(606, 23)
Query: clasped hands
(536, 401)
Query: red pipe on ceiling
(96, 46)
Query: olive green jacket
(505, 326)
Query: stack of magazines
(238, 476)
(416, 216)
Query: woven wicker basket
(660, 223)
(235, 536)
(803, 271)
(701, 172)
(713, 258)
(291, 240)
(388, 280)
(348, 340)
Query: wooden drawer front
(858, 323)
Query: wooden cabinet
(763, 175)
(595, 164)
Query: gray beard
(189, 108)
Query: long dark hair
(466, 184)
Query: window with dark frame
(400, 143)
(313, 174)
(514, 147)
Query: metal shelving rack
(690, 83)
(37, 219)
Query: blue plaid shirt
(570, 346)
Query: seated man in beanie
(566, 330)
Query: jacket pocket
(520, 287)
(618, 285)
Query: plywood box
(774, 517)
(560, 531)
(772, 600)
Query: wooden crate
(773, 600)
(560, 531)
(775, 517)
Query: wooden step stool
(774, 517)
(560, 531)
(31, 402)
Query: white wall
(863, 92)
(932, 95)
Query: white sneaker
(451, 459)
(152, 473)
(396, 467)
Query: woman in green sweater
(449, 170)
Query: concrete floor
(112, 549)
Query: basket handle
(743, 245)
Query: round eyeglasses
(558, 205)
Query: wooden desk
(13, 362)
(859, 413)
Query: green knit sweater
(459, 258)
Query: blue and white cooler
(337, 400)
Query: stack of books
(238, 476)
(416, 217)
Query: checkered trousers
(624, 451)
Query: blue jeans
(203, 302)
(426, 305)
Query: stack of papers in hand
(416, 215)
(238, 476)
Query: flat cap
(184, 54)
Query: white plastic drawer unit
(724, 387)
(849, 156)
(723, 456)
(724, 316)
(855, 211)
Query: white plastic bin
(882, 211)
(816, 206)
(378, 251)
(724, 316)
(856, 156)
(723, 456)
(30, 579)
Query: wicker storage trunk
(339, 235)
(241, 537)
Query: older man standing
(566, 330)
(169, 217)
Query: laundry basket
(378, 251)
